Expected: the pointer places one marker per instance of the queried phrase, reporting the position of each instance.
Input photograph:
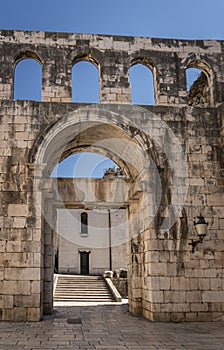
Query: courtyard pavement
(108, 327)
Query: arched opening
(96, 227)
(106, 200)
(96, 223)
(85, 82)
(142, 84)
(143, 161)
(28, 80)
(199, 80)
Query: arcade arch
(142, 84)
(28, 78)
(145, 186)
(201, 92)
(85, 82)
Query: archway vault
(144, 160)
(92, 129)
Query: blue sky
(184, 19)
(154, 18)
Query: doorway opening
(84, 263)
(127, 148)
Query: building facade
(171, 154)
(91, 241)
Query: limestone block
(13, 246)
(204, 284)
(180, 283)
(152, 283)
(158, 269)
(16, 287)
(194, 283)
(22, 274)
(35, 287)
(221, 225)
(137, 293)
(192, 316)
(160, 317)
(189, 272)
(36, 235)
(33, 314)
(6, 301)
(31, 247)
(20, 314)
(181, 307)
(211, 273)
(215, 283)
(174, 297)
(194, 296)
(2, 261)
(199, 307)
(165, 283)
(199, 272)
(168, 307)
(171, 269)
(153, 256)
(196, 182)
(163, 99)
(204, 264)
(8, 314)
(19, 222)
(157, 297)
(2, 246)
(215, 199)
(18, 259)
(19, 119)
(32, 301)
(18, 210)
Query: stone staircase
(77, 288)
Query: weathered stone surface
(167, 281)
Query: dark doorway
(84, 263)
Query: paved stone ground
(108, 327)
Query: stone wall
(154, 146)
(113, 55)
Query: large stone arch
(147, 163)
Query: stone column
(57, 79)
(7, 79)
(169, 92)
(115, 86)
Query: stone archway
(146, 165)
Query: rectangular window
(84, 223)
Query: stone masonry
(171, 154)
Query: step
(82, 289)
(83, 297)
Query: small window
(199, 84)
(85, 83)
(28, 80)
(84, 223)
(142, 85)
(192, 74)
